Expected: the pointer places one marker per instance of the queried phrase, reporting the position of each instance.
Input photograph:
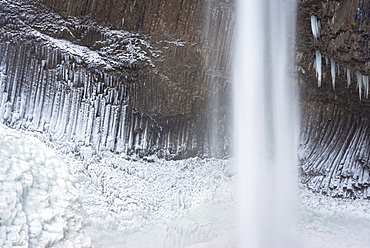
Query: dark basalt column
(334, 146)
(144, 77)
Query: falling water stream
(265, 123)
(273, 212)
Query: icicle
(348, 77)
(144, 137)
(8, 111)
(64, 114)
(326, 60)
(2, 106)
(107, 112)
(315, 25)
(121, 131)
(332, 64)
(55, 110)
(89, 126)
(365, 83)
(96, 134)
(73, 114)
(113, 128)
(359, 83)
(318, 67)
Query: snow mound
(39, 204)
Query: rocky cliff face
(144, 77)
(153, 77)
(335, 137)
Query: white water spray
(265, 124)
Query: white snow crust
(39, 204)
(333, 222)
(155, 204)
(136, 203)
(125, 203)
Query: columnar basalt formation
(143, 77)
(152, 77)
(333, 67)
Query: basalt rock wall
(335, 135)
(143, 77)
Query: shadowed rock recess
(132, 77)
(333, 67)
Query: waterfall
(265, 122)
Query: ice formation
(365, 83)
(136, 198)
(333, 71)
(318, 67)
(362, 84)
(80, 88)
(315, 26)
(129, 203)
(68, 101)
(362, 81)
(138, 204)
(39, 204)
(333, 222)
(348, 73)
(359, 83)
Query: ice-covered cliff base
(39, 204)
(155, 204)
(113, 202)
(116, 202)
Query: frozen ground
(113, 202)
(109, 201)
(39, 204)
(155, 204)
(334, 223)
